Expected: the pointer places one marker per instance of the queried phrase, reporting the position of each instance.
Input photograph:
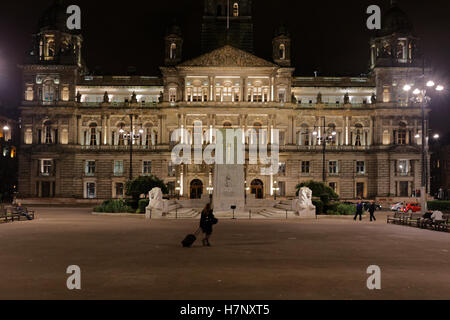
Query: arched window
(386, 137)
(401, 134)
(358, 134)
(236, 9)
(282, 52)
(48, 132)
(93, 134)
(332, 134)
(305, 136)
(49, 91)
(173, 51)
(227, 124)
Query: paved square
(131, 258)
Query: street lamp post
(131, 137)
(420, 93)
(326, 137)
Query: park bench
(397, 218)
(3, 215)
(13, 214)
(414, 219)
(441, 225)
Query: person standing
(359, 211)
(372, 209)
(207, 221)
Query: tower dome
(55, 18)
(395, 20)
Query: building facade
(84, 136)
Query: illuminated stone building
(75, 126)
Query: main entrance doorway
(257, 188)
(196, 189)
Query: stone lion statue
(156, 199)
(305, 199)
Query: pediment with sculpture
(228, 56)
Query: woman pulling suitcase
(207, 221)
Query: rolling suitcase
(190, 239)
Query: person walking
(359, 211)
(372, 209)
(207, 221)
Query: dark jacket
(372, 208)
(359, 208)
(207, 221)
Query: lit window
(282, 52)
(29, 94)
(403, 167)
(236, 9)
(46, 167)
(173, 51)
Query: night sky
(328, 36)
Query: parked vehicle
(411, 207)
(397, 207)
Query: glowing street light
(439, 88)
(6, 128)
(416, 92)
(436, 136)
(407, 87)
(430, 84)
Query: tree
(319, 190)
(143, 185)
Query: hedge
(319, 206)
(143, 204)
(114, 206)
(439, 205)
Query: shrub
(341, 209)
(114, 206)
(346, 209)
(319, 190)
(439, 205)
(143, 204)
(319, 206)
(143, 185)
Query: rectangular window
(403, 167)
(147, 167)
(305, 167)
(401, 137)
(90, 190)
(46, 167)
(333, 167)
(119, 190)
(89, 169)
(118, 168)
(360, 167)
(333, 185)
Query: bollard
(176, 213)
(286, 214)
(250, 214)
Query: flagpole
(228, 15)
